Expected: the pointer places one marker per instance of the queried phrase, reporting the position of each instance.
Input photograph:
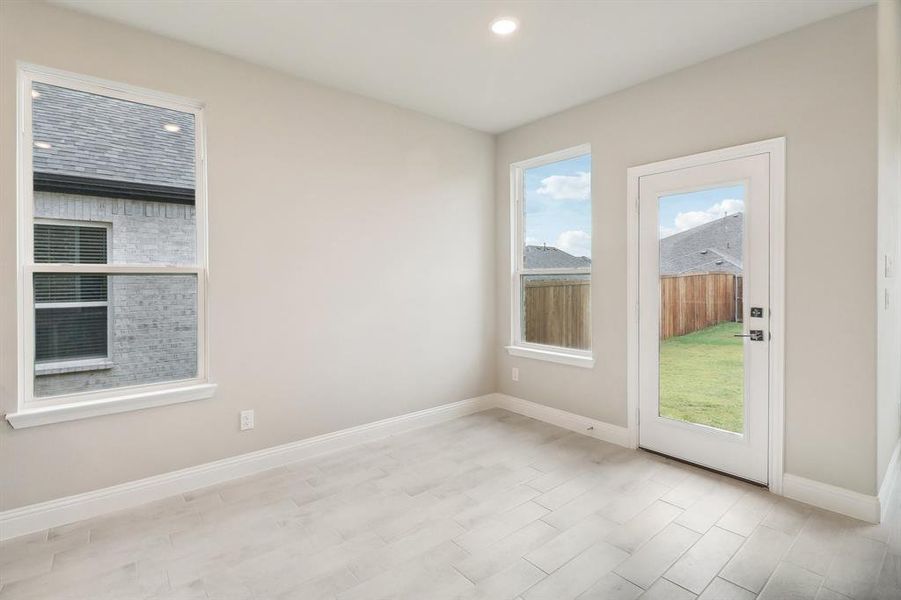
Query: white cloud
(566, 187)
(577, 243)
(693, 218)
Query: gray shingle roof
(714, 247)
(106, 138)
(548, 257)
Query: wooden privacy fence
(556, 312)
(692, 302)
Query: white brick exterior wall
(153, 318)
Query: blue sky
(558, 205)
(679, 212)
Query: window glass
(555, 310)
(126, 164)
(557, 207)
(152, 321)
(113, 186)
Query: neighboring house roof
(714, 247)
(548, 257)
(110, 147)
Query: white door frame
(775, 148)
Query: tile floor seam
(537, 567)
(675, 584)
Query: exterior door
(704, 314)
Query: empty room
(450, 299)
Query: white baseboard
(840, 500)
(847, 502)
(37, 517)
(567, 420)
(889, 481)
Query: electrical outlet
(246, 420)
(515, 374)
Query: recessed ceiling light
(42, 145)
(172, 127)
(504, 25)
(35, 94)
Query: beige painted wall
(365, 288)
(889, 317)
(352, 255)
(817, 87)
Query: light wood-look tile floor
(493, 506)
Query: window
(112, 246)
(71, 321)
(551, 285)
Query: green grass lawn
(702, 377)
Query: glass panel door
(703, 314)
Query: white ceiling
(440, 57)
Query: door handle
(756, 335)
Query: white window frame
(80, 364)
(39, 411)
(518, 346)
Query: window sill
(73, 367)
(60, 413)
(555, 356)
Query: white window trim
(40, 411)
(519, 347)
(80, 364)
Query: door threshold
(708, 469)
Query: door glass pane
(701, 307)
